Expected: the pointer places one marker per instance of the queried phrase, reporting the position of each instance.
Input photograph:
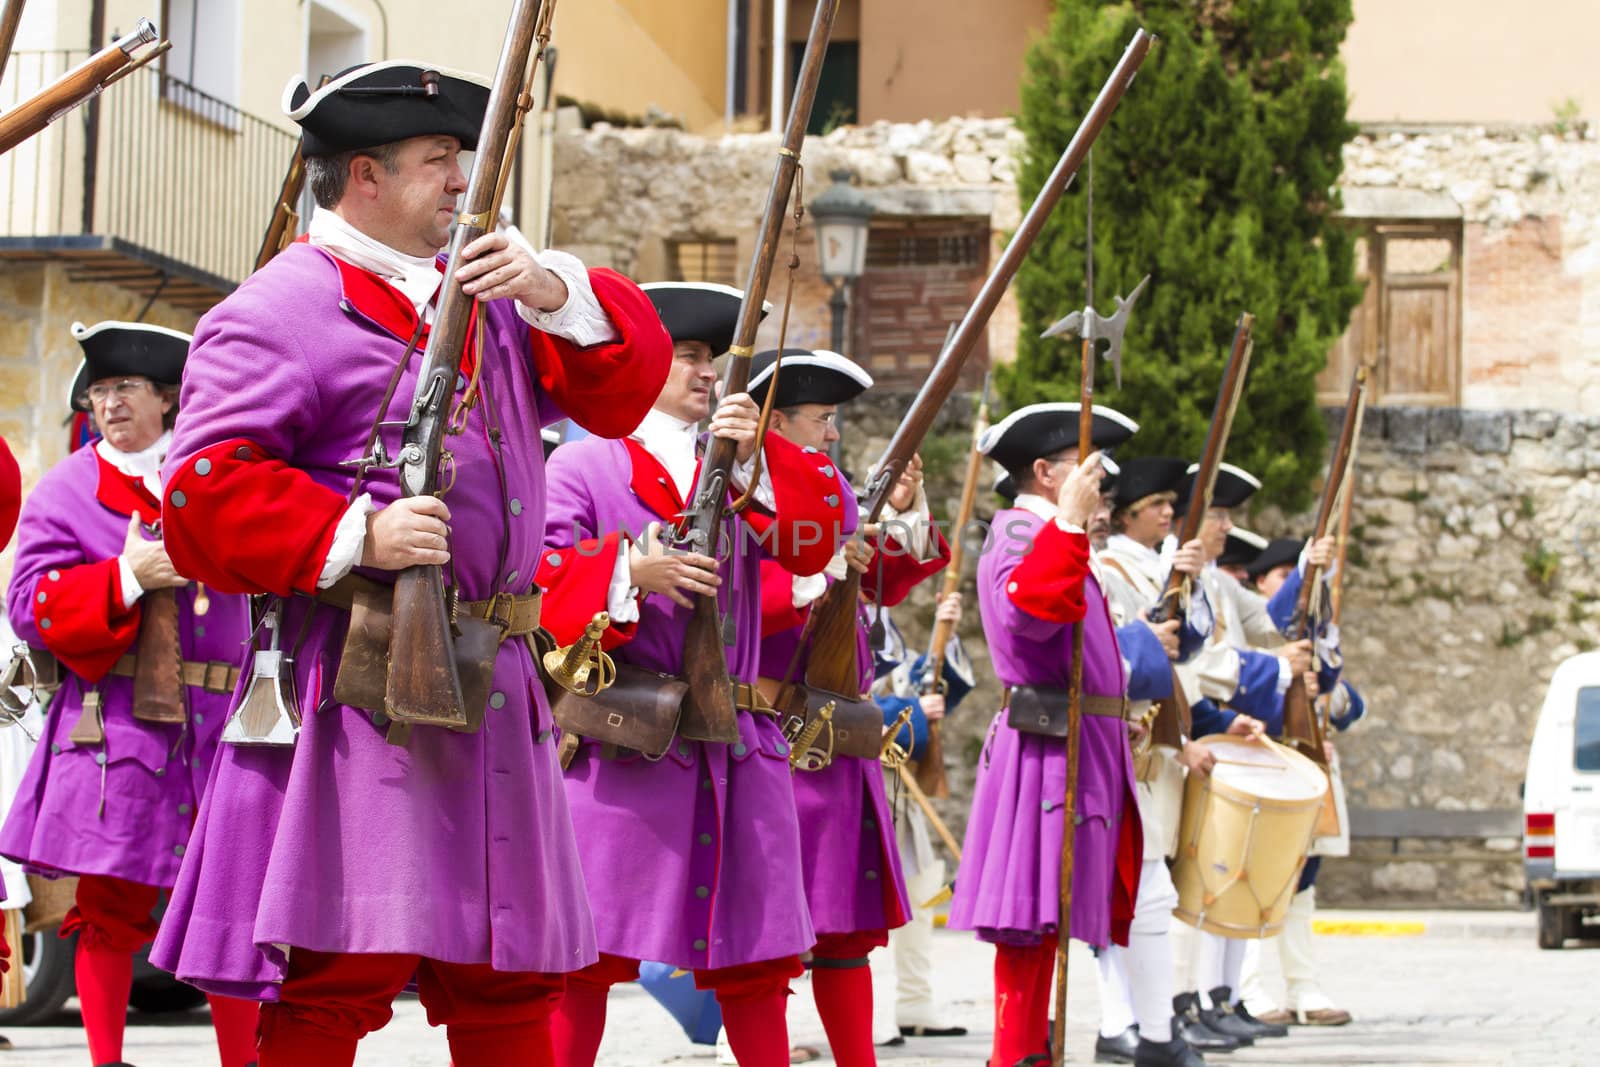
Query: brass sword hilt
(891, 755)
(582, 667)
(805, 740)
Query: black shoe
(894, 1042)
(1119, 1049)
(1264, 1029)
(1189, 1024)
(1239, 1017)
(933, 1031)
(1174, 1053)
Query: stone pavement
(1451, 989)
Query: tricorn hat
(112, 349)
(1242, 548)
(374, 104)
(1279, 551)
(807, 376)
(1040, 430)
(699, 311)
(1148, 476)
(1234, 486)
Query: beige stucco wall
(1471, 60)
(938, 58)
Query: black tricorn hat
(112, 349)
(699, 311)
(807, 376)
(1005, 486)
(1148, 476)
(1279, 551)
(1242, 548)
(1040, 430)
(374, 104)
(1234, 486)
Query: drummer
(1136, 981)
(1278, 569)
(1232, 687)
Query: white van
(1561, 804)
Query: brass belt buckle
(491, 612)
(216, 677)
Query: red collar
(377, 300)
(652, 484)
(123, 494)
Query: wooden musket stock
(1301, 728)
(833, 650)
(708, 713)
(1228, 394)
(72, 88)
(9, 21)
(930, 772)
(424, 685)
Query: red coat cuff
(80, 617)
(778, 612)
(10, 493)
(577, 583)
(812, 507)
(900, 570)
(1048, 583)
(608, 389)
(242, 521)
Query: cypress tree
(1217, 177)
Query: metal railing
(152, 161)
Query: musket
(87, 79)
(285, 213)
(833, 666)
(424, 685)
(1205, 481)
(930, 763)
(10, 19)
(708, 712)
(1301, 728)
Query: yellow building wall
(1472, 60)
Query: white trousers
(902, 974)
(1136, 981)
(1215, 961)
(1298, 959)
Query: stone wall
(1469, 580)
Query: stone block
(972, 168)
(1396, 481)
(1408, 430)
(1536, 425)
(1444, 426)
(1486, 431)
(1412, 876)
(926, 168)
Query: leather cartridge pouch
(638, 711)
(1042, 709)
(158, 669)
(857, 722)
(90, 729)
(363, 676)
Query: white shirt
(144, 465)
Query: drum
(1244, 836)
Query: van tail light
(1539, 836)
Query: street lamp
(843, 214)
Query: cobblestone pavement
(1470, 989)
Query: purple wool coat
(122, 808)
(849, 857)
(456, 847)
(1009, 885)
(692, 859)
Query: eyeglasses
(829, 419)
(100, 392)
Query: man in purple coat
(111, 791)
(326, 876)
(692, 859)
(1034, 587)
(851, 861)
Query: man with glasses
(112, 789)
